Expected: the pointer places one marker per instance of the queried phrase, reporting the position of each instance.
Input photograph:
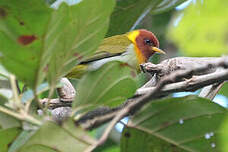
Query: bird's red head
(146, 44)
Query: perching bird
(133, 48)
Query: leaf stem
(21, 116)
(17, 102)
(11, 113)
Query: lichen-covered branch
(180, 79)
(172, 75)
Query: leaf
(110, 85)
(108, 146)
(193, 35)
(53, 41)
(21, 35)
(224, 135)
(83, 26)
(166, 5)
(3, 72)
(187, 124)
(147, 142)
(20, 140)
(7, 136)
(9, 129)
(7, 121)
(224, 90)
(128, 13)
(51, 137)
(29, 95)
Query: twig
(20, 116)
(66, 96)
(105, 135)
(18, 87)
(67, 91)
(210, 91)
(17, 101)
(55, 103)
(191, 84)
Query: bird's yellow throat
(132, 37)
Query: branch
(140, 101)
(172, 75)
(191, 84)
(210, 91)
(171, 82)
(66, 96)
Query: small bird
(133, 48)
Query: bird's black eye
(148, 42)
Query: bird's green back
(111, 46)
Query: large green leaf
(224, 90)
(83, 26)
(135, 140)
(128, 13)
(36, 39)
(186, 124)
(202, 31)
(224, 135)
(7, 136)
(9, 129)
(110, 85)
(22, 34)
(166, 5)
(7, 121)
(51, 138)
(20, 140)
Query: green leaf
(7, 121)
(194, 36)
(224, 90)
(110, 85)
(9, 129)
(83, 26)
(52, 137)
(3, 72)
(224, 135)
(7, 136)
(134, 140)
(166, 5)
(187, 124)
(108, 146)
(128, 13)
(29, 95)
(52, 41)
(22, 34)
(20, 140)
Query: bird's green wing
(111, 46)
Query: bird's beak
(158, 50)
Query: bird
(133, 48)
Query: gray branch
(172, 75)
(178, 77)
